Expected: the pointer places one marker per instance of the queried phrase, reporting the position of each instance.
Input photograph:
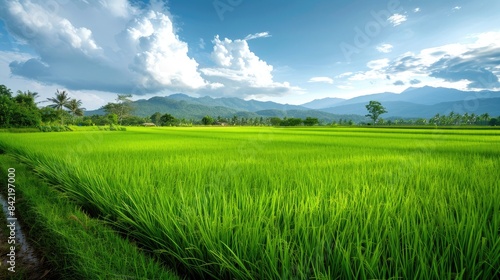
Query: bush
(54, 128)
(45, 128)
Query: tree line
(23, 110)
(375, 109)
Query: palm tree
(59, 102)
(485, 118)
(74, 107)
(26, 97)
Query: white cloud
(161, 57)
(241, 71)
(39, 27)
(385, 48)
(321, 80)
(257, 35)
(343, 75)
(118, 8)
(345, 87)
(416, 10)
(457, 8)
(122, 49)
(397, 19)
(378, 64)
(464, 66)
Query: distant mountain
(184, 106)
(424, 95)
(178, 108)
(430, 95)
(323, 103)
(235, 103)
(412, 110)
(422, 102)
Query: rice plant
(271, 203)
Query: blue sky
(289, 51)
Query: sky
(287, 51)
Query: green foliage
(49, 114)
(5, 91)
(311, 121)
(75, 245)
(54, 128)
(134, 120)
(375, 109)
(98, 119)
(23, 116)
(275, 121)
(207, 120)
(168, 120)
(494, 122)
(18, 111)
(156, 118)
(60, 100)
(291, 122)
(112, 119)
(75, 107)
(122, 109)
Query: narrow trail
(26, 261)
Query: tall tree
(155, 118)
(59, 102)
(27, 97)
(74, 107)
(167, 120)
(207, 120)
(6, 104)
(485, 118)
(375, 109)
(122, 108)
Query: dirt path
(22, 262)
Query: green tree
(135, 120)
(167, 120)
(99, 120)
(26, 97)
(311, 121)
(485, 118)
(6, 105)
(49, 115)
(59, 102)
(291, 122)
(275, 121)
(18, 111)
(234, 120)
(207, 120)
(112, 119)
(375, 109)
(25, 111)
(156, 118)
(494, 121)
(122, 108)
(74, 107)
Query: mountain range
(423, 102)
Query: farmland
(287, 203)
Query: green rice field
(287, 203)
